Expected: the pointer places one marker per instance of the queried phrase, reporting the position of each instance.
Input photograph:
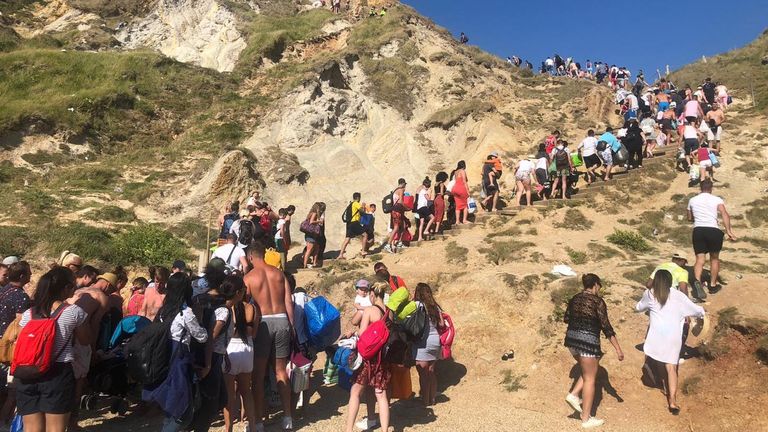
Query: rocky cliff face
(201, 32)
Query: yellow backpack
(272, 257)
(9, 341)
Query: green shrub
(575, 220)
(512, 382)
(89, 242)
(147, 245)
(111, 213)
(194, 232)
(629, 240)
(90, 178)
(37, 201)
(15, 240)
(499, 252)
(455, 253)
(640, 274)
(577, 257)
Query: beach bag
(416, 323)
(399, 303)
(450, 185)
(247, 230)
(148, 354)
(471, 205)
(715, 161)
(299, 371)
(366, 219)
(272, 257)
(8, 342)
(576, 160)
(447, 334)
(693, 172)
(323, 323)
(33, 354)
(622, 154)
(309, 229)
(402, 388)
(388, 203)
(408, 201)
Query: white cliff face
(201, 32)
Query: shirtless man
(717, 115)
(154, 295)
(270, 291)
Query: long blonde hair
(662, 283)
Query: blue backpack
(323, 323)
(229, 220)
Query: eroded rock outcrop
(201, 32)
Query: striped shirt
(71, 318)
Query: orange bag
(401, 382)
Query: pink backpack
(373, 338)
(447, 334)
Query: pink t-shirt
(703, 154)
(692, 108)
(134, 304)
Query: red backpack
(374, 338)
(33, 355)
(447, 334)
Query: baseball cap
(362, 284)
(109, 277)
(495, 154)
(179, 264)
(379, 266)
(11, 260)
(679, 255)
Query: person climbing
(424, 203)
(463, 39)
(312, 234)
(588, 151)
(439, 203)
(354, 229)
(490, 185)
(396, 216)
(703, 211)
(524, 177)
(586, 315)
(634, 141)
(563, 168)
(715, 117)
(706, 168)
(460, 192)
(668, 309)
(427, 350)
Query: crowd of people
(240, 337)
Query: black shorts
(541, 176)
(591, 161)
(424, 213)
(707, 240)
(690, 144)
(354, 229)
(54, 393)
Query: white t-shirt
(224, 251)
(525, 168)
(541, 163)
(704, 209)
(690, 132)
(185, 324)
(633, 103)
(280, 223)
(363, 301)
(589, 144)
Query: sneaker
(592, 422)
(287, 424)
(715, 289)
(388, 248)
(574, 402)
(366, 424)
(400, 245)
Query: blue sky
(587, 29)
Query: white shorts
(705, 163)
(718, 133)
(82, 360)
(240, 357)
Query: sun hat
(679, 255)
(362, 284)
(109, 277)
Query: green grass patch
(15, 240)
(111, 213)
(499, 252)
(577, 257)
(89, 178)
(523, 287)
(147, 245)
(448, 117)
(394, 82)
(575, 220)
(509, 232)
(600, 252)
(455, 253)
(512, 382)
(757, 214)
(640, 274)
(194, 232)
(629, 240)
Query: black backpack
(415, 324)
(148, 354)
(601, 145)
(561, 159)
(246, 232)
(388, 203)
(347, 215)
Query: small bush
(510, 232)
(561, 296)
(640, 274)
(500, 252)
(147, 245)
(757, 214)
(600, 252)
(455, 253)
(111, 213)
(512, 382)
(575, 220)
(90, 178)
(89, 242)
(37, 201)
(629, 240)
(194, 232)
(690, 385)
(577, 257)
(15, 240)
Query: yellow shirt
(356, 211)
(679, 274)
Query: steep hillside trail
(509, 306)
